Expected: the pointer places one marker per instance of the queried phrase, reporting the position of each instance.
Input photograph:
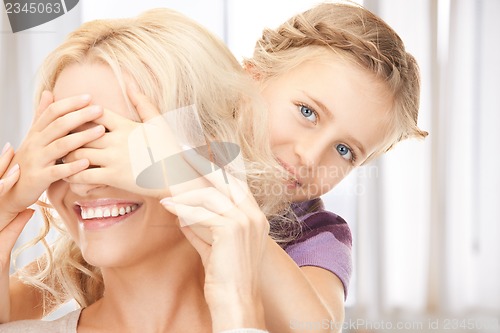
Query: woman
(133, 269)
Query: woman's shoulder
(65, 324)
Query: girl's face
(136, 226)
(326, 118)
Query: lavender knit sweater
(325, 241)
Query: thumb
(203, 248)
(45, 100)
(10, 234)
(142, 104)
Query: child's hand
(225, 225)
(111, 156)
(9, 229)
(48, 140)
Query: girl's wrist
(235, 310)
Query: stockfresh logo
(24, 15)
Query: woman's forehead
(96, 79)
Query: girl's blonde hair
(176, 63)
(357, 35)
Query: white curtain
(428, 225)
(472, 109)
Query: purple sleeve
(326, 242)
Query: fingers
(5, 158)
(144, 107)
(69, 122)
(63, 146)
(90, 176)
(10, 234)
(60, 108)
(111, 120)
(208, 198)
(65, 170)
(10, 179)
(223, 181)
(96, 157)
(209, 207)
(202, 247)
(45, 100)
(190, 215)
(201, 220)
(102, 142)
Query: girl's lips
(295, 182)
(103, 213)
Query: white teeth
(104, 212)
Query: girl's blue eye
(345, 152)
(309, 114)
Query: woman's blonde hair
(355, 34)
(175, 63)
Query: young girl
(341, 89)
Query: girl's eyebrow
(329, 114)
(322, 106)
(358, 145)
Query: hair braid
(356, 34)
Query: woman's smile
(103, 213)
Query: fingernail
(95, 109)
(167, 202)
(13, 170)
(98, 129)
(5, 148)
(86, 97)
(84, 163)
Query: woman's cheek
(55, 193)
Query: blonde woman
(341, 89)
(136, 271)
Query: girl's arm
(49, 139)
(294, 297)
(10, 227)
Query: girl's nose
(310, 152)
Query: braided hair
(355, 34)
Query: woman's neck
(161, 294)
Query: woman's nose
(83, 189)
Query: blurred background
(425, 217)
